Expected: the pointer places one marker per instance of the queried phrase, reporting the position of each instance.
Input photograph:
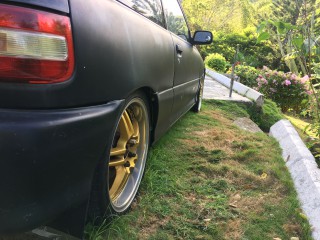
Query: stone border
(303, 169)
(238, 87)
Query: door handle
(179, 50)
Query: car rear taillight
(35, 46)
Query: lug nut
(127, 164)
(131, 169)
(132, 141)
(132, 154)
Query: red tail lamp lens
(35, 46)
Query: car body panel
(53, 135)
(109, 66)
(48, 159)
(186, 76)
(163, 123)
(58, 5)
(184, 95)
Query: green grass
(301, 125)
(208, 179)
(230, 109)
(266, 116)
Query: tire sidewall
(197, 106)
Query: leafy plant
(247, 74)
(253, 54)
(302, 46)
(288, 90)
(217, 62)
(212, 14)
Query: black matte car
(85, 87)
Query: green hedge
(252, 53)
(217, 62)
(266, 116)
(248, 75)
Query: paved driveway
(215, 90)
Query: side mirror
(202, 38)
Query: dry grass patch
(233, 229)
(151, 226)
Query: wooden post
(232, 72)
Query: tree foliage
(219, 15)
(262, 10)
(292, 22)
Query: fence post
(232, 72)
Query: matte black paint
(51, 142)
(47, 161)
(110, 65)
(165, 110)
(59, 5)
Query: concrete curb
(238, 87)
(303, 169)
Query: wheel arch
(153, 103)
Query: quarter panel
(116, 50)
(48, 159)
(165, 100)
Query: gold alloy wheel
(128, 154)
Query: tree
(289, 18)
(219, 15)
(300, 39)
(262, 10)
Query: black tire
(197, 106)
(118, 176)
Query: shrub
(217, 62)
(247, 74)
(266, 116)
(220, 47)
(254, 54)
(286, 89)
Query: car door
(186, 73)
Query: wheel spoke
(118, 151)
(122, 175)
(126, 127)
(134, 161)
(126, 131)
(117, 162)
(136, 134)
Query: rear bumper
(47, 161)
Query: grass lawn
(208, 179)
(301, 125)
(305, 134)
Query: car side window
(176, 22)
(151, 9)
